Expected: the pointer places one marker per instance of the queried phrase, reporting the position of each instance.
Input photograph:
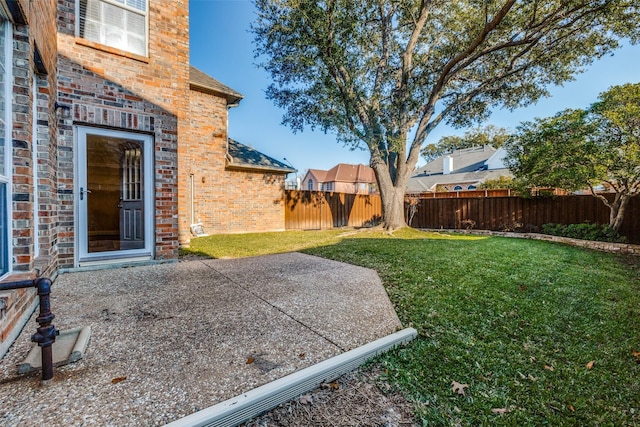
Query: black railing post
(46, 332)
(46, 335)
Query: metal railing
(46, 332)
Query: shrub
(468, 224)
(514, 226)
(585, 231)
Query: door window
(114, 194)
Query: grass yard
(511, 332)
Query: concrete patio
(169, 340)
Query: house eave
(253, 168)
(232, 98)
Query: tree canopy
(578, 149)
(383, 74)
(477, 137)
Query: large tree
(384, 73)
(577, 149)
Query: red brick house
(112, 144)
(342, 178)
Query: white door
(114, 189)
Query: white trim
(34, 162)
(145, 13)
(83, 256)
(248, 405)
(6, 139)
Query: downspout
(192, 198)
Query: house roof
(202, 82)
(425, 184)
(469, 167)
(343, 172)
(465, 160)
(319, 174)
(240, 156)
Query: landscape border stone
(619, 248)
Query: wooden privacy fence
(314, 210)
(308, 210)
(528, 214)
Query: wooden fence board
(306, 210)
(313, 210)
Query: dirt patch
(355, 399)
(192, 256)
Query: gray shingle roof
(468, 168)
(428, 183)
(240, 156)
(465, 160)
(202, 82)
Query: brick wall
(36, 34)
(115, 89)
(224, 201)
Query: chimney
(447, 165)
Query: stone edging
(618, 248)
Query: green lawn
(541, 333)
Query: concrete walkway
(169, 340)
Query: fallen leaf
(456, 387)
(332, 386)
(549, 368)
(250, 360)
(118, 380)
(572, 409)
(636, 355)
(500, 411)
(533, 359)
(590, 364)
(305, 399)
(532, 378)
(301, 356)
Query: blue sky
(221, 46)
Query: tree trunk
(392, 195)
(618, 208)
(392, 207)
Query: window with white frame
(310, 185)
(327, 186)
(5, 141)
(116, 23)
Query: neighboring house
(112, 145)
(342, 178)
(460, 170)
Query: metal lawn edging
(248, 405)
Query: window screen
(117, 23)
